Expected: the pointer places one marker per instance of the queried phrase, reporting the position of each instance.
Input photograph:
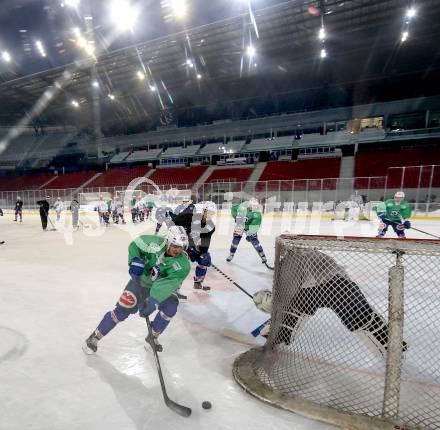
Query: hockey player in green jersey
(395, 213)
(157, 267)
(248, 219)
(150, 205)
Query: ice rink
(55, 288)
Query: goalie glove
(263, 300)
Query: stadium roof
(203, 64)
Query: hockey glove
(154, 273)
(400, 226)
(407, 224)
(263, 300)
(136, 269)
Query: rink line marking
(363, 372)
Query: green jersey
(394, 212)
(246, 217)
(133, 202)
(150, 204)
(173, 270)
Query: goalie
(322, 283)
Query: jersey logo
(153, 247)
(177, 266)
(394, 213)
(127, 300)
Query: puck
(206, 405)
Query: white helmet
(399, 195)
(177, 236)
(18, 198)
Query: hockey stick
(420, 231)
(425, 232)
(232, 281)
(51, 223)
(268, 266)
(2, 242)
(175, 407)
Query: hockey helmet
(177, 236)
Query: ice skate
(150, 342)
(180, 296)
(91, 345)
(230, 257)
(198, 286)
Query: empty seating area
(177, 175)
(70, 180)
(283, 142)
(301, 172)
(118, 158)
(377, 163)
(230, 175)
(28, 182)
(220, 148)
(119, 176)
(180, 151)
(302, 169)
(152, 154)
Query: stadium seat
(177, 175)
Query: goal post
(354, 337)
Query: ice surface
(55, 287)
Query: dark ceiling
(366, 61)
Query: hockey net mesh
(354, 337)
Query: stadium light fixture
(199, 76)
(323, 53)
(179, 8)
(411, 12)
(72, 3)
(404, 37)
(321, 34)
(75, 103)
(251, 51)
(40, 48)
(95, 84)
(6, 56)
(111, 96)
(140, 75)
(123, 14)
(153, 88)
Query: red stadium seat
(119, 176)
(230, 175)
(69, 180)
(177, 175)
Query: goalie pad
(291, 326)
(375, 336)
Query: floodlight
(179, 8)
(250, 51)
(123, 14)
(6, 56)
(411, 12)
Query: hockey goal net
(354, 338)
